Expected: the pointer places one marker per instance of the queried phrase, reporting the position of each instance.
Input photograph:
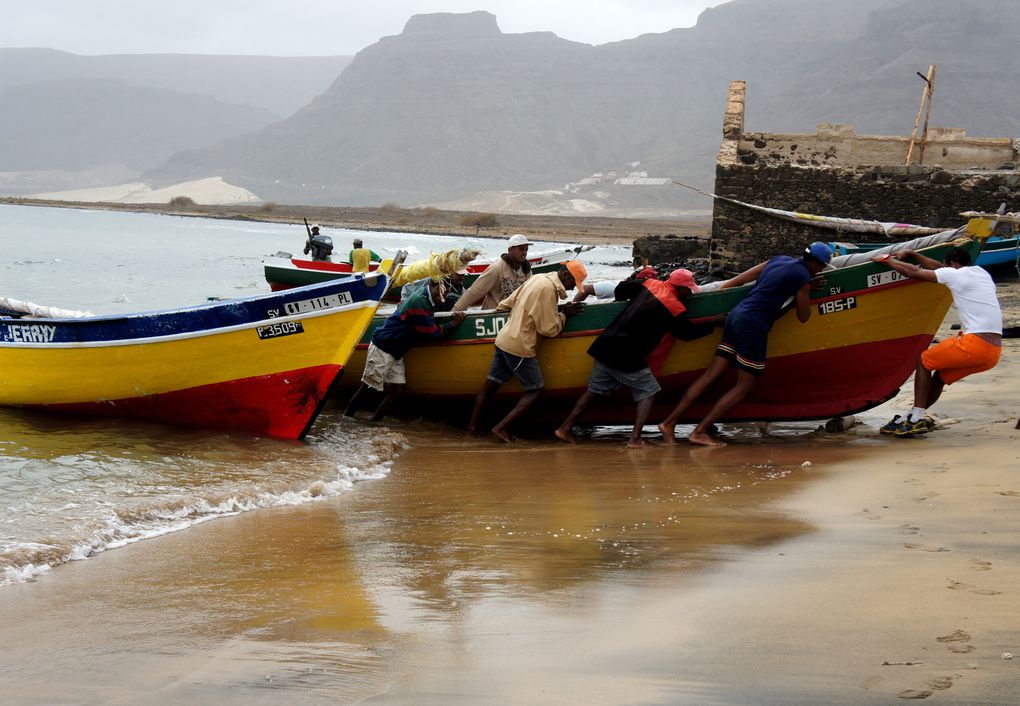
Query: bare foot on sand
(502, 435)
(565, 436)
(704, 440)
(639, 444)
(668, 432)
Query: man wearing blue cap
(745, 335)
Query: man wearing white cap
(534, 315)
(501, 278)
(625, 351)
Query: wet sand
(885, 570)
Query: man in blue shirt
(413, 322)
(745, 335)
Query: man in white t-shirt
(977, 348)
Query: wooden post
(929, 86)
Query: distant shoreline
(585, 230)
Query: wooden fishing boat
(868, 325)
(283, 273)
(261, 364)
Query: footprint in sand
(961, 649)
(927, 496)
(954, 636)
(942, 683)
(868, 514)
(980, 565)
(914, 694)
(909, 529)
(1010, 493)
(923, 548)
(957, 586)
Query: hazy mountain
(80, 124)
(69, 121)
(280, 85)
(453, 106)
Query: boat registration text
(328, 302)
(285, 328)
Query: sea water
(71, 487)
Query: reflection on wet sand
(536, 553)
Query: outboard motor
(320, 247)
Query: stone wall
(927, 196)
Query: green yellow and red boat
(868, 326)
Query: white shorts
(381, 369)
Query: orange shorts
(957, 357)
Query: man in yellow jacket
(534, 314)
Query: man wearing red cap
(534, 314)
(655, 315)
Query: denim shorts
(504, 366)
(605, 381)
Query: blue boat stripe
(186, 335)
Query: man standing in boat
(534, 314)
(501, 278)
(976, 349)
(745, 336)
(361, 257)
(655, 315)
(413, 322)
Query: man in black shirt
(622, 350)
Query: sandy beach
(584, 230)
(801, 568)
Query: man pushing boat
(413, 322)
(975, 350)
(656, 313)
(745, 336)
(534, 314)
(501, 278)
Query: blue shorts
(605, 381)
(504, 366)
(745, 343)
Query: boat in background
(997, 251)
(261, 364)
(861, 344)
(283, 272)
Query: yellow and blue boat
(861, 344)
(261, 364)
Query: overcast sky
(308, 27)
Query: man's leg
(922, 390)
(487, 391)
(717, 367)
(355, 402)
(937, 386)
(563, 433)
(393, 392)
(644, 408)
(700, 435)
(520, 408)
